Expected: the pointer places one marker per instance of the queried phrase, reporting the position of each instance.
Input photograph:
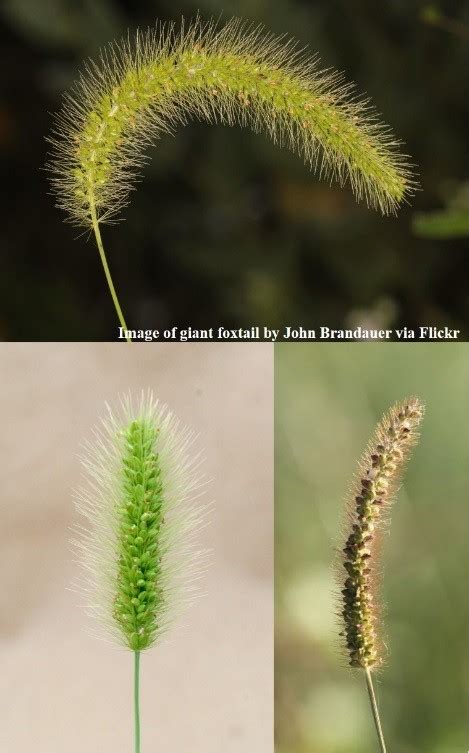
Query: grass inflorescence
(378, 476)
(139, 596)
(236, 73)
(137, 548)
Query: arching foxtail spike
(233, 74)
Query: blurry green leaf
(450, 223)
(430, 14)
(50, 22)
(61, 22)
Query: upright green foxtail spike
(139, 597)
(137, 547)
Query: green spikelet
(379, 472)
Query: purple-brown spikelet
(376, 483)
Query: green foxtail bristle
(379, 472)
(138, 547)
(240, 74)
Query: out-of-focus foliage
(328, 399)
(434, 15)
(451, 222)
(62, 24)
(226, 228)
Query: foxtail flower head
(236, 74)
(376, 484)
(137, 548)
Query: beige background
(208, 690)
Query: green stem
(374, 708)
(137, 700)
(107, 272)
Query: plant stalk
(107, 271)
(374, 708)
(137, 700)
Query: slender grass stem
(137, 699)
(374, 708)
(107, 271)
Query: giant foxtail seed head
(137, 548)
(376, 483)
(236, 74)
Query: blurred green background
(226, 228)
(328, 399)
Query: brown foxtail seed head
(379, 472)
